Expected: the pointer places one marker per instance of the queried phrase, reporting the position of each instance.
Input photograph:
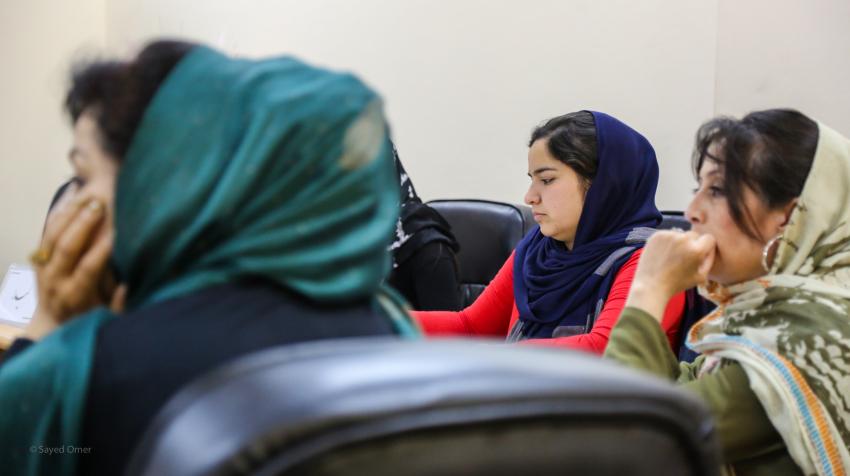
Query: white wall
(792, 53)
(38, 40)
(464, 80)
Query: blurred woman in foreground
(251, 205)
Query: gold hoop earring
(766, 251)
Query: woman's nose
(694, 212)
(531, 197)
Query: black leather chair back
(672, 219)
(487, 232)
(389, 407)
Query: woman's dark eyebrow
(708, 174)
(541, 170)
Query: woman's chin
(726, 281)
(717, 276)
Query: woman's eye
(714, 191)
(547, 181)
(78, 181)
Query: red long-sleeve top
(494, 312)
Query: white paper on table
(18, 295)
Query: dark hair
(118, 92)
(572, 140)
(770, 151)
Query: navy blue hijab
(556, 288)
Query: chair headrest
(357, 389)
(487, 232)
(671, 219)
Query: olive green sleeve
(742, 426)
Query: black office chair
(388, 407)
(674, 219)
(487, 232)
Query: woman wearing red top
(592, 192)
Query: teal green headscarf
(239, 168)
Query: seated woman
(254, 202)
(770, 237)
(592, 192)
(424, 264)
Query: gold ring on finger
(40, 257)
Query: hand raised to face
(672, 261)
(72, 262)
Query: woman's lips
(538, 216)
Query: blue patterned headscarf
(558, 290)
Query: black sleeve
(16, 348)
(435, 279)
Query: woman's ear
(788, 209)
(778, 218)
